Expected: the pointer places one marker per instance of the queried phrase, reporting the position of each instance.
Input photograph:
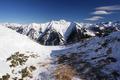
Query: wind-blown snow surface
(11, 42)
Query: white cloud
(94, 18)
(101, 12)
(109, 8)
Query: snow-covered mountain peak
(59, 21)
(35, 26)
(60, 26)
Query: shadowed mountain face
(63, 32)
(50, 37)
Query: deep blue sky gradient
(28, 11)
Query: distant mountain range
(63, 32)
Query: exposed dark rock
(50, 37)
(20, 30)
(31, 33)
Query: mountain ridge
(62, 31)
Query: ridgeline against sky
(28, 11)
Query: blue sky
(28, 11)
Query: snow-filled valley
(60, 50)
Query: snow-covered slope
(12, 42)
(94, 59)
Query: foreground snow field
(11, 42)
